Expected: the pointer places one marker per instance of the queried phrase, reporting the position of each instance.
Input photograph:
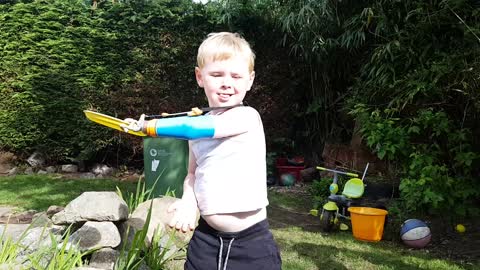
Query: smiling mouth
(224, 97)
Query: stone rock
(144, 266)
(104, 258)
(102, 169)
(175, 264)
(42, 172)
(69, 168)
(36, 238)
(93, 206)
(19, 217)
(41, 220)
(87, 175)
(51, 169)
(30, 239)
(6, 211)
(29, 171)
(5, 163)
(53, 209)
(93, 235)
(12, 266)
(13, 231)
(131, 177)
(159, 224)
(36, 160)
(13, 171)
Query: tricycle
(337, 205)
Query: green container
(166, 165)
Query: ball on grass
(415, 233)
(287, 179)
(460, 228)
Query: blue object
(411, 224)
(186, 127)
(287, 179)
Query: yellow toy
(460, 228)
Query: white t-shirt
(231, 172)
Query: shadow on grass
(330, 257)
(337, 257)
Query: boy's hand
(185, 215)
(134, 125)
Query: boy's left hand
(184, 216)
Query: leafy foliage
(319, 190)
(435, 155)
(61, 57)
(426, 59)
(55, 62)
(407, 72)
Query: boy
(226, 178)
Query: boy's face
(225, 82)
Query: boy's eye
(216, 74)
(236, 76)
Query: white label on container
(155, 163)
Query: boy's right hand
(134, 125)
(184, 216)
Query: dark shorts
(251, 249)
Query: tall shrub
(56, 60)
(418, 102)
(122, 58)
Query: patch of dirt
(446, 242)
(280, 217)
(17, 217)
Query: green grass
(301, 249)
(34, 192)
(309, 249)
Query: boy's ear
(251, 79)
(198, 76)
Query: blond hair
(223, 46)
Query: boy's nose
(227, 81)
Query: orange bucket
(367, 223)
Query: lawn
(32, 192)
(305, 247)
(302, 244)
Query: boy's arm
(237, 121)
(185, 210)
(189, 182)
(232, 122)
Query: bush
(320, 190)
(120, 58)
